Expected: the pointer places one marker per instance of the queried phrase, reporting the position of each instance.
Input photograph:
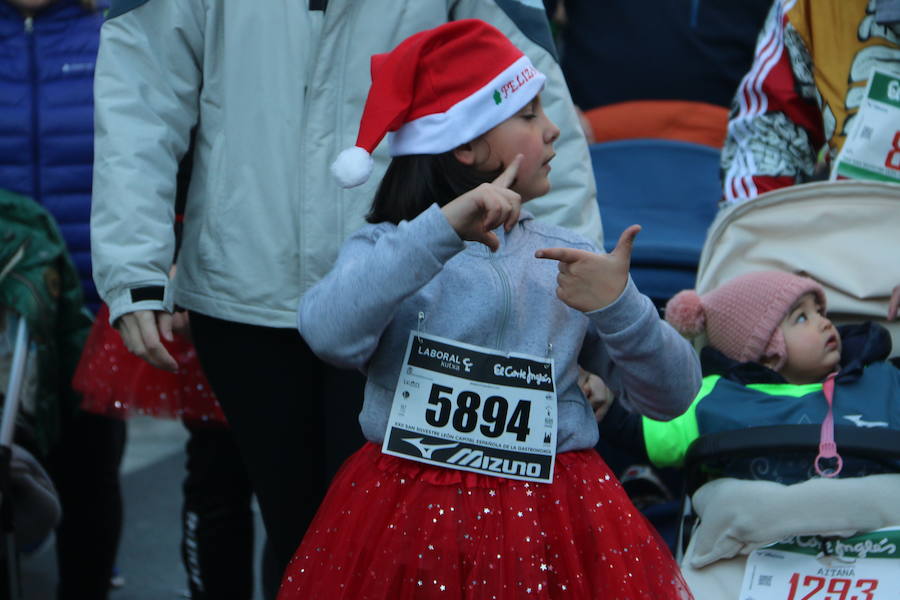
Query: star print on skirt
(393, 529)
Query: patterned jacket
(813, 61)
(39, 282)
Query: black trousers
(84, 467)
(217, 521)
(295, 420)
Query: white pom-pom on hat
(352, 167)
(685, 313)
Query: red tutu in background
(393, 529)
(116, 383)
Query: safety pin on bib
(419, 321)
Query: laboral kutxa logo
(448, 360)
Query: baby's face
(812, 341)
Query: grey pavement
(149, 555)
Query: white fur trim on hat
(352, 167)
(476, 114)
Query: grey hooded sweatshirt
(361, 313)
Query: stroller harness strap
(827, 446)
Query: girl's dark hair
(413, 182)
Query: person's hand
(475, 214)
(894, 305)
(596, 392)
(589, 281)
(141, 331)
(181, 324)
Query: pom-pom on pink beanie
(742, 317)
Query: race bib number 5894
(472, 408)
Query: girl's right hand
(475, 214)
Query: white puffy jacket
(275, 91)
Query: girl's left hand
(589, 281)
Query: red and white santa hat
(438, 89)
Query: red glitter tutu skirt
(393, 529)
(116, 383)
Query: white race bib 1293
(864, 567)
(466, 407)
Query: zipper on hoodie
(35, 148)
(507, 297)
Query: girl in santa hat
(470, 319)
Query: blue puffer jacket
(46, 117)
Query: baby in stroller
(774, 358)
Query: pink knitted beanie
(741, 317)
